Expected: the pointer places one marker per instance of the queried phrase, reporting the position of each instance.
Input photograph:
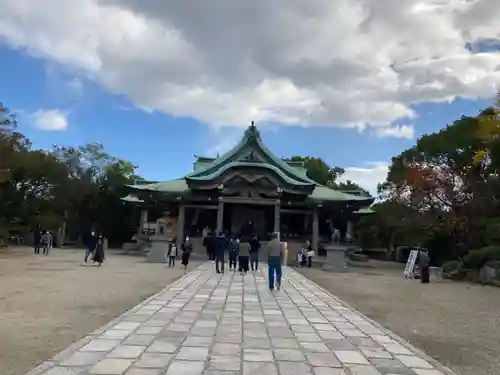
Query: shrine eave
(320, 194)
(132, 199)
(241, 165)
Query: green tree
(319, 171)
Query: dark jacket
(221, 245)
(187, 247)
(254, 245)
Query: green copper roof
(320, 193)
(240, 164)
(132, 199)
(291, 172)
(251, 139)
(364, 211)
(178, 186)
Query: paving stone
(366, 370)
(375, 353)
(185, 368)
(198, 341)
(288, 355)
(314, 347)
(139, 340)
(65, 371)
(153, 360)
(257, 343)
(260, 368)
(351, 356)
(427, 372)
(323, 360)
(391, 366)
(127, 352)
(205, 324)
(414, 361)
(111, 366)
(115, 334)
(160, 346)
(100, 345)
(293, 368)
(149, 330)
(284, 343)
(339, 344)
(328, 371)
(192, 353)
(83, 359)
(144, 371)
(257, 355)
(223, 362)
(226, 349)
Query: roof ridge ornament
(252, 130)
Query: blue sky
(164, 146)
(156, 84)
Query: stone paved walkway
(205, 324)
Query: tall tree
(319, 171)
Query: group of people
(172, 252)
(94, 249)
(42, 241)
(305, 255)
(243, 253)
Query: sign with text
(410, 264)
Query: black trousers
(424, 275)
(171, 260)
(232, 261)
(219, 264)
(243, 263)
(309, 261)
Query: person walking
(243, 256)
(424, 262)
(221, 246)
(37, 241)
(187, 248)
(209, 243)
(172, 253)
(275, 254)
(254, 253)
(90, 243)
(309, 253)
(234, 250)
(98, 257)
(46, 241)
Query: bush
(477, 258)
(452, 267)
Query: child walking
(171, 253)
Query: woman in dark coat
(99, 251)
(187, 248)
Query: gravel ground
(458, 324)
(47, 303)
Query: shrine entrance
(247, 219)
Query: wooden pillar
(350, 230)
(220, 215)
(144, 220)
(315, 230)
(180, 225)
(277, 216)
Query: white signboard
(410, 265)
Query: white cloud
(49, 120)
(344, 63)
(396, 131)
(367, 177)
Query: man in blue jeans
(275, 253)
(254, 253)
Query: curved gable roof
(253, 139)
